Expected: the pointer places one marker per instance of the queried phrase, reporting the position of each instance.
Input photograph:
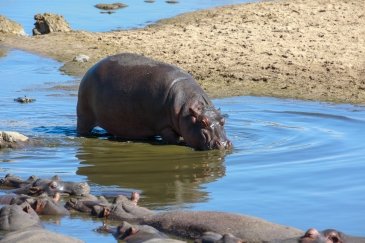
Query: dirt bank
(308, 49)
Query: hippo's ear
(56, 178)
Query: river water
(294, 162)
(82, 15)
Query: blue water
(82, 15)
(294, 162)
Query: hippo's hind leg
(85, 119)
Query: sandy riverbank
(307, 49)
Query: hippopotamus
(122, 208)
(196, 224)
(88, 205)
(35, 186)
(13, 181)
(55, 184)
(137, 233)
(328, 236)
(22, 224)
(17, 217)
(201, 226)
(43, 205)
(134, 97)
(37, 234)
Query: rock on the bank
(48, 23)
(110, 6)
(81, 58)
(8, 26)
(11, 139)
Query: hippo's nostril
(228, 144)
(223, 145)
(53, 185)
(217, 144)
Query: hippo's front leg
(85, 117)
(84, 125)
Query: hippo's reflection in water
(166, 175)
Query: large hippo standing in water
(134, 97)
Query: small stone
(24, 99)
(81, 58)
(11, 137)
(110, 6)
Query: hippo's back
(131, 59)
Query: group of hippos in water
(135, 97)
(26, 199)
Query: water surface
(82, 15)
(294, 162)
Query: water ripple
(292, 161)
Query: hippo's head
(203, 128)
(326, 236)
(55, 185)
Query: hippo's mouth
(214, 142)
(221, 144)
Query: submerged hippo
(36, 186)
(42, 205)
(134, 97)
(328, 236)
(122, 208)
(22, 224)
(137, 233)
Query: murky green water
(294, 162)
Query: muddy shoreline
(302, 49)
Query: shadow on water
(167, 175)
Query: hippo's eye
(53, 185)
(311, 233)
(222, 121)
(333, 237)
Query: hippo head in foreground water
(328, 236)
(203, 129)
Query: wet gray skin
(135, 97)
(328, 236)
(37, 186)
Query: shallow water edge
(260, 49)
(290, 157)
